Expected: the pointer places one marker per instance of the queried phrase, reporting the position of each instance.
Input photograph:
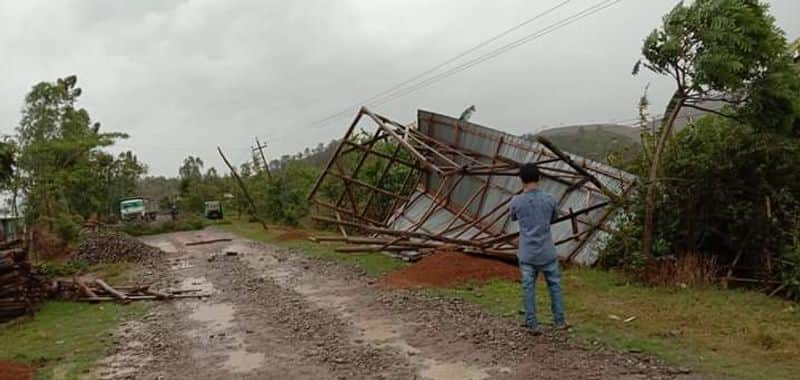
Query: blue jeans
(552, 275)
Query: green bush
(286, 193)
(65, 269)
(790, 267)
(724, 188)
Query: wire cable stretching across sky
(447, 62)
(398, 90)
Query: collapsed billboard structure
(459, 178)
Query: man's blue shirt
(534, 211)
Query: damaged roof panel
(467, 177)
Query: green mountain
(596, 141)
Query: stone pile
(114, 246)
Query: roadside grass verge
(734, 334)
(374, 264)
(730, 333)
(64, 339)
(112, 273)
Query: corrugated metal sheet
(474, 138)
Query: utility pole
(260, 148)
(244, 189)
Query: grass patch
(64, 339)
(113, 273)
(374, 264)
(736, 334)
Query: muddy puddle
(216, 316)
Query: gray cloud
(184, 76)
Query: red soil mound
(293, 235)
(15, 371)
(445, 268)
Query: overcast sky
(184, 76)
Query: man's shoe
(562, 327)
(535, 331)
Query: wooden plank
(414, 152)
(110, 290)
(335, 155)
(202, 242)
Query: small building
(12, 223)
(11, 227)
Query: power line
(494, 53)
(447, 62)
(503, 49)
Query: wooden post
(263, 158)
(110, 290)
(422, 159)
(335, 154)
(244, 189)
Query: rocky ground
(275, 313)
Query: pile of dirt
(293, 235)
(15, 371)
(114, 246)
(447, 268)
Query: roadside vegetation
(720, 199)
(64, 339)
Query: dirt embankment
(15, 371)
(446, 268)
(293, 235)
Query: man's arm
(554, 204)
(511, 211)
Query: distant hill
(595, 141)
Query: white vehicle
(137, 208)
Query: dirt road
(276, 314)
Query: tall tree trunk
(649, 199)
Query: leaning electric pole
(260, 148)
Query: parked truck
(138, 208)
(213, 210)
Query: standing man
(535, 210)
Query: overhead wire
(503, 49)
(399, 92)
(448, 61)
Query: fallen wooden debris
(108, 288)
(142, 298)
(97, 290)
(182, 291)
(212, 241)
(159, 295)
(86, 290)
(21, 287)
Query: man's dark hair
(529, 173)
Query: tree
(7, 153)
(59, 156)
(192, 168)
(715, 50)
